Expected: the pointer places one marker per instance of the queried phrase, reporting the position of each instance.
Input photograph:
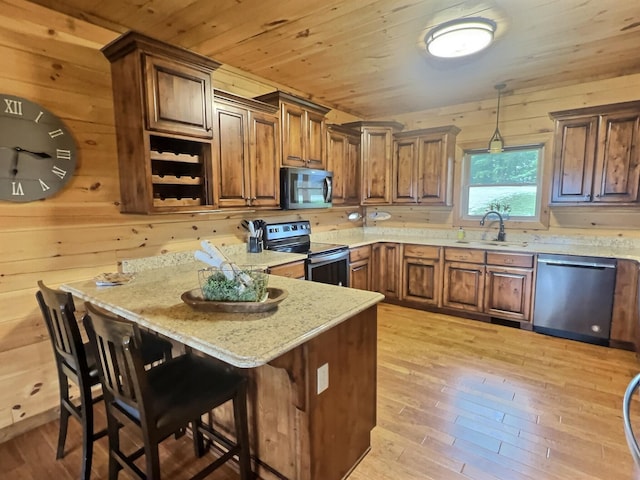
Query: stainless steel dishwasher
(574, 297)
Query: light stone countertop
(152, 299)
(599, 247)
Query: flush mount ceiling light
(460, 37)
(496, 143)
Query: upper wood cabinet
(423, 166)
(247, 152)
(163, 103)
(376, 151)
(178, 97)
(343, 159)
(596, 157)
(303, 130)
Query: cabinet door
(376, 166)
(264, 155)
(434, 178)
(573, 159)
(508, 293)
(385, 277)
(352, 171)
(360, 275)
(343, 159)
(293, 136)
(337, 163)
(315, 155)
(178, 98)
(405, 153)
(232, 156)
(463, 286)
(291, 270)
(617, 171)
(421, 280)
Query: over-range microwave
(305, 188)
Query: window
(508, 182)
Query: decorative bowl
(234, 283)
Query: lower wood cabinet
(624, 320)
(385, 276)
(421, 275)
(463, 284)
(508, 292)
(360, 267)
(291, 270)
(499, 284)
(509, 285)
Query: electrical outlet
(323, 378)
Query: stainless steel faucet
(501, 233)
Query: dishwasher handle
(571, 263)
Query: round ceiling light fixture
(460, 37)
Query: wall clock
(37, 151)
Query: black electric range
(326, 262)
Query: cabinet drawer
(421, 251)
(359, 253)
(524, 260)
(471, 255)
(291, 270)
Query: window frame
(538, 222)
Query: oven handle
(329, 257)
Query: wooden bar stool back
(74, 364)
(162, 400)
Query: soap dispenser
(461, 233)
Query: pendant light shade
(460, 37)
(496, 143)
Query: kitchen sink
(492, 242)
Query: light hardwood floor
(457, 399)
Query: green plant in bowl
(239, 284)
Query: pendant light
(496, 143)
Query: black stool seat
(162, 400)
(76, 362)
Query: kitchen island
(302, 426)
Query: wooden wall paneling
(19, 332)
(55, 269)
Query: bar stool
(75, 362)
(162, 400)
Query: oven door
(331, 268)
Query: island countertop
(246, 340)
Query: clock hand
(14, 164)
(35, 154)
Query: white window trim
(540, 221)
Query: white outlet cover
(323, 378)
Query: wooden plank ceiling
(366, 56)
